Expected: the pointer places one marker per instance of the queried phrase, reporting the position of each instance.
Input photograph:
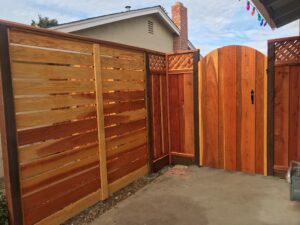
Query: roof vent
(150, 27)
(128, 7)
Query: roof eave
(84, 24)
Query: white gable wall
(134, 32)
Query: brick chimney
(179, 16)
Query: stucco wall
(134, 32)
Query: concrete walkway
(202, 196)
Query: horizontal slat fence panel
(79, 108)
(124, 106)
(54, 91)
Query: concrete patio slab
(203, 196)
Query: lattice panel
(180, 62)
(157, 63)
(287, 51)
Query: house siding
(134, 32)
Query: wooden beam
(100, 122)
(270, 108)
(196, 107)
(8, 134)
(149, 113)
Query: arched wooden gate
(232, 107)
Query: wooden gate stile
(284, 73)
(182, 87)
(233, 110)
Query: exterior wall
(134, 32)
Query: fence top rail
(43, 31)
(183, 52)
(284, 39)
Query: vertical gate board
(248, 111)
(188, 113)
(281, 111)
(227, 68)
(259, 113)
(228, 117)
(157, 134)
(174, 113)
(210, 110)
(239, 108)
(294, 120)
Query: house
(149, 28)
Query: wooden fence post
(149, 112)
(100, 121)
(196, 106)
(270, 108)
(9, 134)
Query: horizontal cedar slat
(24, 54)
(124, 139)
(121, 53)
(38, 87)
(122, 74)
(126, 147)
(117, 174)
(125, 64)
(124, 106)
(124, 117)
(125, 158)
(78, 188)
(127, 179)
(53, 176)
(53, 116)
(55, 131)
(37, 198)
(52, 102)
(52, 147)
(123, 128)
(124, 96)
(54, 162)
(123, 86)
(30, 70)
(26, 38)
(71, 210)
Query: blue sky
(212, 23)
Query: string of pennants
(251, 8)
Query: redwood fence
(284, 68)
(83, 118)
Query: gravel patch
(88, 215)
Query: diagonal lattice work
(157, 63)
(180, 62)
(287, 51)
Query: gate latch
(252, 96)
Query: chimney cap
(178, 3)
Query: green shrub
(3, 210)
